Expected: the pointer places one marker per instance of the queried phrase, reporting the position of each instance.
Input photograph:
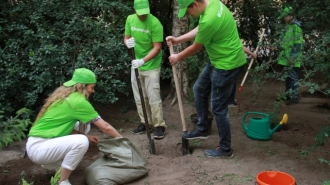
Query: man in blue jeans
(217, 32)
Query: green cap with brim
(183, 4)
(285, 12)
(82, 76)
(141, 7)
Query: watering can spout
(284, 121)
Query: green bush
(14, 128)
(42, 42)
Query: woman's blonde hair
(60, 94)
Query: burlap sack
(120, 164)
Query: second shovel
(185, 142)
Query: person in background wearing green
(52, 141)
(291, 54)
(217, 32)
(144, 33)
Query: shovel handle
(178, 92)
(152, 149)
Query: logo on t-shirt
(221, 10)
(139, 29)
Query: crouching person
(52, 141)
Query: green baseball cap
(285, 12)
(183, 4)
(141, 7)
(83, 76)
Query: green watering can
(259, 127)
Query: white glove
(130, 43)
(137, 63)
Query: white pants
(67, 150)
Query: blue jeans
(232, 95)
(218, 83)
(291, 83)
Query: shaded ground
(281, 153)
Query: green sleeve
(85, 112)
(157, 32)
(205, 34)
(127, 27)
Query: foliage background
(42, 42)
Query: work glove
(130, 43)
(137, 63)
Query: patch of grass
(324, 161)
(271, 152)
(327, 182)
(201, 157)
(304, 152)
(260, 146)
(24, 182)
(173, 127)
(195, 142)
(231, 178)
(179, 142)
(249, 178)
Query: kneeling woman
(52, 139)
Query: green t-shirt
(291, 45)
(217, 31)
(60, 118)
(145, 33)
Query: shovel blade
(152, 148)
(185, 146)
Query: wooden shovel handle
(178, 92)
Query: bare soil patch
(281, 153)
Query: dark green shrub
(42, 42)
(14, 128)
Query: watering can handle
(257, 113)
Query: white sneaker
(50, 167)
(66, 182)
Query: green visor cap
(183, 4)
(141, 7)
(82, 76)
(286, 11)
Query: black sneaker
(292, 101)
(218, 152)
(140, 129)
(159, 132)
(195, 134)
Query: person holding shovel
(291, 54)
(144, 33)
(217, 32)
(52, 141)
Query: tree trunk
(180, 27)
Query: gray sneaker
(218, 152)
(196, 134)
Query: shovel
(152, 148)
(185, 142)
